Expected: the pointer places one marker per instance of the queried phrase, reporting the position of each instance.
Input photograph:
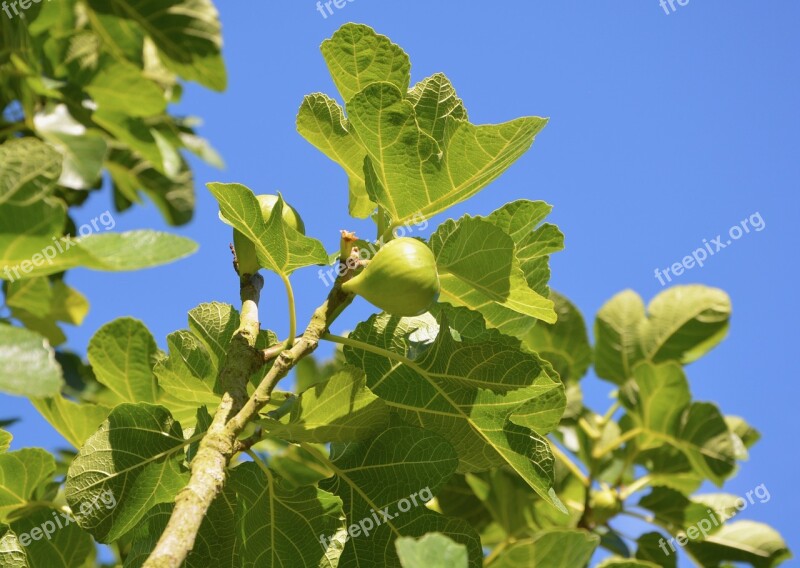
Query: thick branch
(217, 447)
(236, 410)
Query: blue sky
(665, 129)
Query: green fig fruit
(604, 504)
(401, 279)
(246, 250)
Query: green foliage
(84, 94)
(92, 80)
(433, 549)
(30, 369)
(456, 438)
(280, 248)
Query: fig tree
(401, 279)
(246, 250)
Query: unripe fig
(401, 279)
(246, 250)
(605, 504)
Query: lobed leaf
(549, 549)
(279, 247)
(340, 410)
(661, 407)
(406, 171)
(478, 269)
(21, 473)
(534, 240)
(419, 462)
(187, 34)
(65, 545)
(681, 324)
(411, 152)
(465, 389)
(280, 525)
(196, 355)
(133, 460)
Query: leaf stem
(626, 437)
(259, 462)
(381, 222)
(646, 518)
(610, 413)
(576, 471)
(496, 551)
(590, 430)
(637, 485)
(373, 349)
(292, 311)
(387, 234)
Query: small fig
(604, 504)
(401, 279)
(246, 250)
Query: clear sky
(666, 129)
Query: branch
(323, 317)
(217, 447)
(235, 411)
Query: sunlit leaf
(21, 473)
(433, 550)
(377, 513)
(478, 269)
(133, 461)
(277, 524)
(465, 389)
(30, 171)
(279, 247)
(27, 364)
(339, 410)
(549, 549)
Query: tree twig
(235, 411)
